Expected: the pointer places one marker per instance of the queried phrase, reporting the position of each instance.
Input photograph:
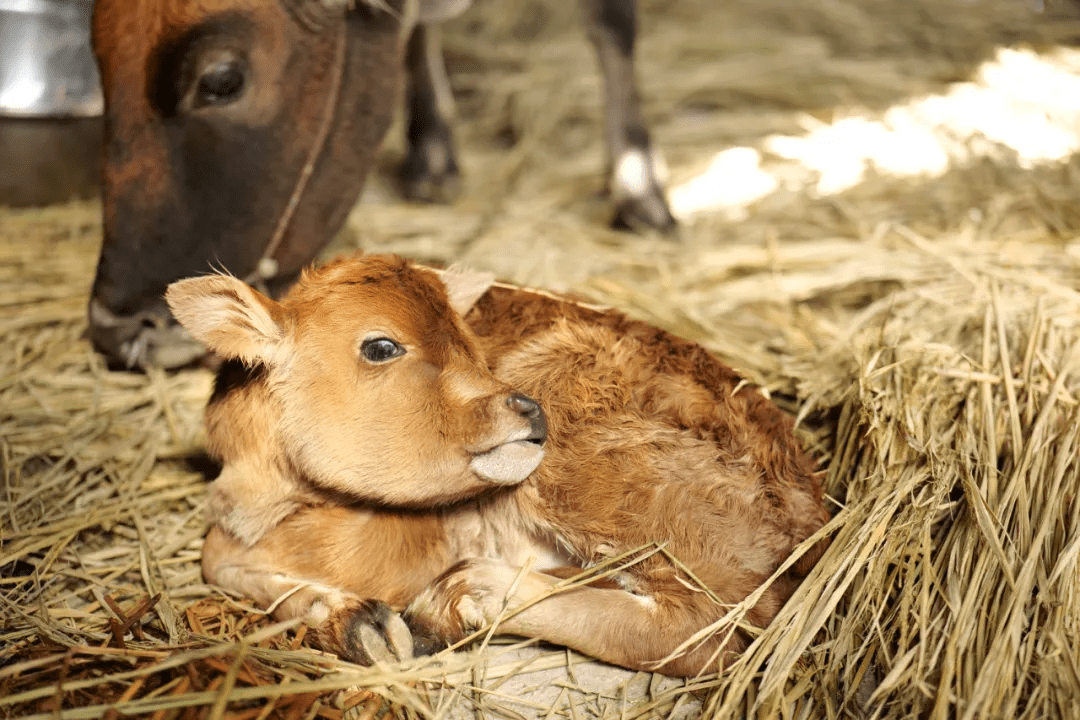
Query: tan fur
(649, 439)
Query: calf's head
(214, 111)
(382, 391)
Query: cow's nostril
(523, 405)
(149, 337)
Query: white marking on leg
(631, 177)
(438, 158)
(318, 613)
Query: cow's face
(213, 109)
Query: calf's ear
(436, 11)
(465, 287)
(228, 316)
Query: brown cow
(239, 134)
(380, 450)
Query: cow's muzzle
(151, 338)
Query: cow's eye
(220, 83)
(379, 350)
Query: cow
(407, 454)
(239, 134)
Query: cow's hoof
(373, 633)
(648, 212)
(637, 190)
(430, 173)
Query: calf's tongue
(508, 463)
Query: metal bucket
(50, 102)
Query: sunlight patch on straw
(1025, 102)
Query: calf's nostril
(529, 408)
(523, 405)
(538, 427)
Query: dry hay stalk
(951, 586)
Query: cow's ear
(228, 317)
(436, 11)
(465, 287)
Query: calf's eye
(378, 350)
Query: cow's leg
(430, 172)
(614, 625)
(637, 169)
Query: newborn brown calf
(380, 449)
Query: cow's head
(380, 391)
(213, 110)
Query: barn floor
(923, 329)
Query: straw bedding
(924, 333)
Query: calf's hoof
(454, 604)
(424, 640)
(469, 596)
(367, 632)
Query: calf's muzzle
(515, 459)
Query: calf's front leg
(340, 570)
(637, 169)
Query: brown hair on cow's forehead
(141, 23)
(158, 14)
(126, 33)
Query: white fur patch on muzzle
(508, 463)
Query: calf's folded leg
(358, 558)
(614, 625)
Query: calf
(393, 439)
